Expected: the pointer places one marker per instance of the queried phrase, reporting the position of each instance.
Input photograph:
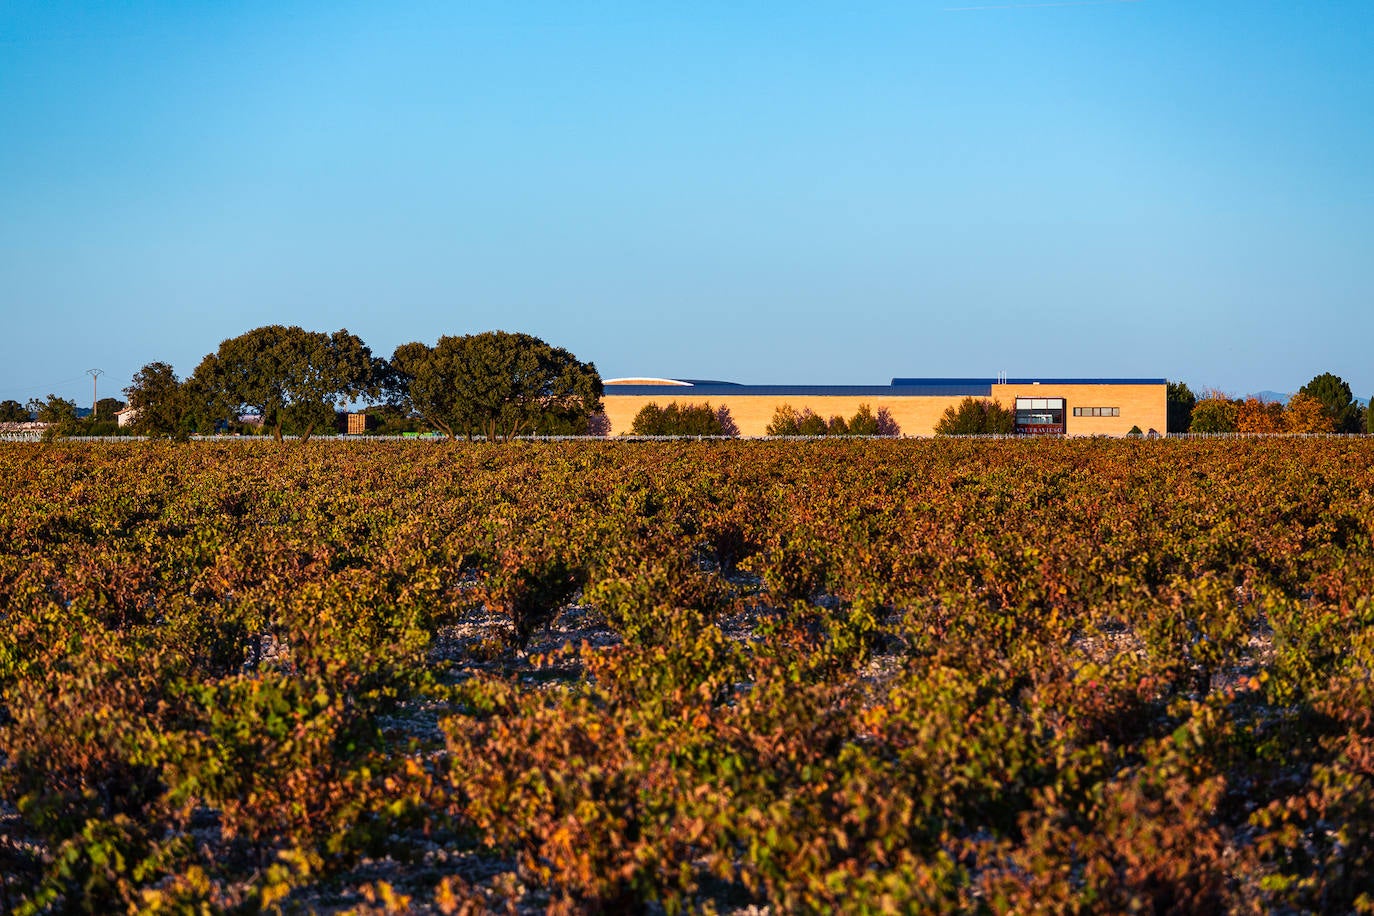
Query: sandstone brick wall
(1141, 405)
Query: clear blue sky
(765, 192)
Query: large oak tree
(496, 384)
(294, 378)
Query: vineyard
(994, 676)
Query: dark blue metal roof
(900, 388)
(945, 382)
(942, 387)
(731, 389)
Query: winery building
(1044, 406)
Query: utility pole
(94, 374)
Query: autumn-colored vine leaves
(976, 676)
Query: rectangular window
(1097, 411)
(1040, 416)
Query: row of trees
(704, 420)
(61, 415)
(1326, 404)
(788, 421)
(1217, 413)
(684, 420)
(495, 385)
(498, 385)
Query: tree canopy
(863, 423)
(1256, 415)
(1306, 414)
(13, 412)
(1338, 401)
(684, 420)
(58, 413)
(295, 378)
(106, 408)
(495, 384)
(1180, 401)
(159, 400)
(1215, 413)
(788, 421)
(976, 417)
(53, 410)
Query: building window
(1097, 411)
(1040, 416)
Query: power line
(50, 386)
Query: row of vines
(1005, 677)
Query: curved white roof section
(642, 380)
